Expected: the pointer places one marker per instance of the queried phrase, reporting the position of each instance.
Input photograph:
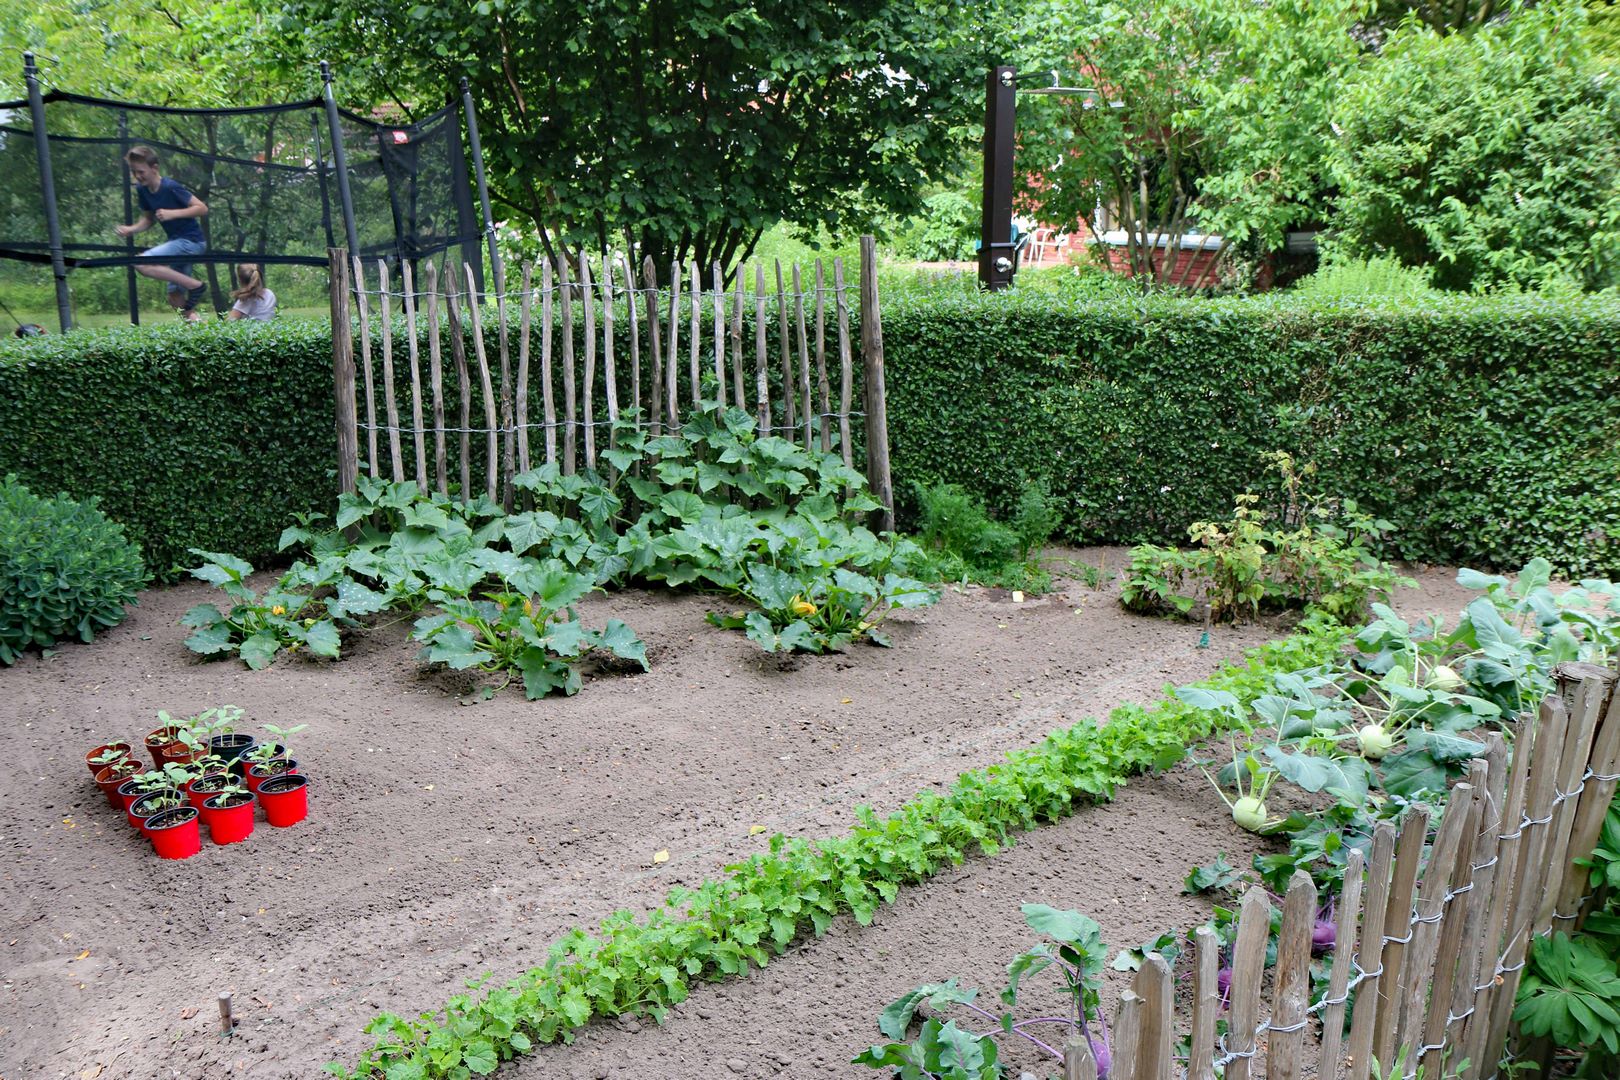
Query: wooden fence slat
(1347, 914)
(804, 358)
(1370, 951)
(1502, 896)
(762, 390)
(418, 434)
(846, 389)
(1155, 1040)
(719, 334)
(1429, 910)
(1398, 930)
(525, 315)
(610, 379)
(365, 360)
(655, 347)
(441, 476)
(874, 388)
(1291, 995)
(1587, 689)
(508, 426)
(1078, 1062)
(344, 416)
(458, 353)
(1594, 805)
(824, 389)
(789, 415)
(1127, 1037)
(1248, 966)
(634, 322)
(1528, 882)
(1206, 1003)
(492, 451)
(736, 345)
(672, 366)
(1487, 841)
(1433, 1027)
(548, 397)
(694, 337)
(589, 370)
(570, 433)
(396, 457)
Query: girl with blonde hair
(253, 300)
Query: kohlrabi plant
(943, 1051)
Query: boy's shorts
(178, 247)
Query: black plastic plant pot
(230, 748)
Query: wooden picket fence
(1432, 936)
(647, 351)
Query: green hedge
(1487, 430)
(192, 436)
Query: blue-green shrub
(65, 570)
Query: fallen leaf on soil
(755, 830)
(90, 1073)
(82, 955)
(70, 824)
(187, 1014)
(661, 856)
(261, 1001)
(261, 911)
(845, 701)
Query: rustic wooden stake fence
(606, 294)
(1432, 934)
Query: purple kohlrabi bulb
(1101, 1050)
(1325, 931)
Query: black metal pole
(340, 162)
(995, 229)
(483, 186)
(47, 186)
(129, 215)
(320, 179)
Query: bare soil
(451, 836)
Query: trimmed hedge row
(205, 436)
(1487, 430)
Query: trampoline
(283, 183)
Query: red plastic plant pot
(228, 824)
(174, 833)
(285, 799)
(146, 807)
(263, 771)
(178, 753)
(157, 739)
(98, 751)
(111, 776)
(197, 791)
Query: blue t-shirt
(170, 195)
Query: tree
(1208, 114)
(684, 128)
(1492, 156)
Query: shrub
(960, 539)
(65, 570)
(1486, 430)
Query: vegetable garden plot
(446, 840)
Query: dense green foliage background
(1487, 430)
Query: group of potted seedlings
(203, 772)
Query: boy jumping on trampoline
(166, 201)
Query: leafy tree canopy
(1492, 155)
(686, 127)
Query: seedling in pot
(265, 751)
(106, 754)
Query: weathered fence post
(877, 418)
(348, 433)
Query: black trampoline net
(267, 174)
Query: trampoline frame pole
(340, 162)
(483, 187)
(47, 184)
(129, 215)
